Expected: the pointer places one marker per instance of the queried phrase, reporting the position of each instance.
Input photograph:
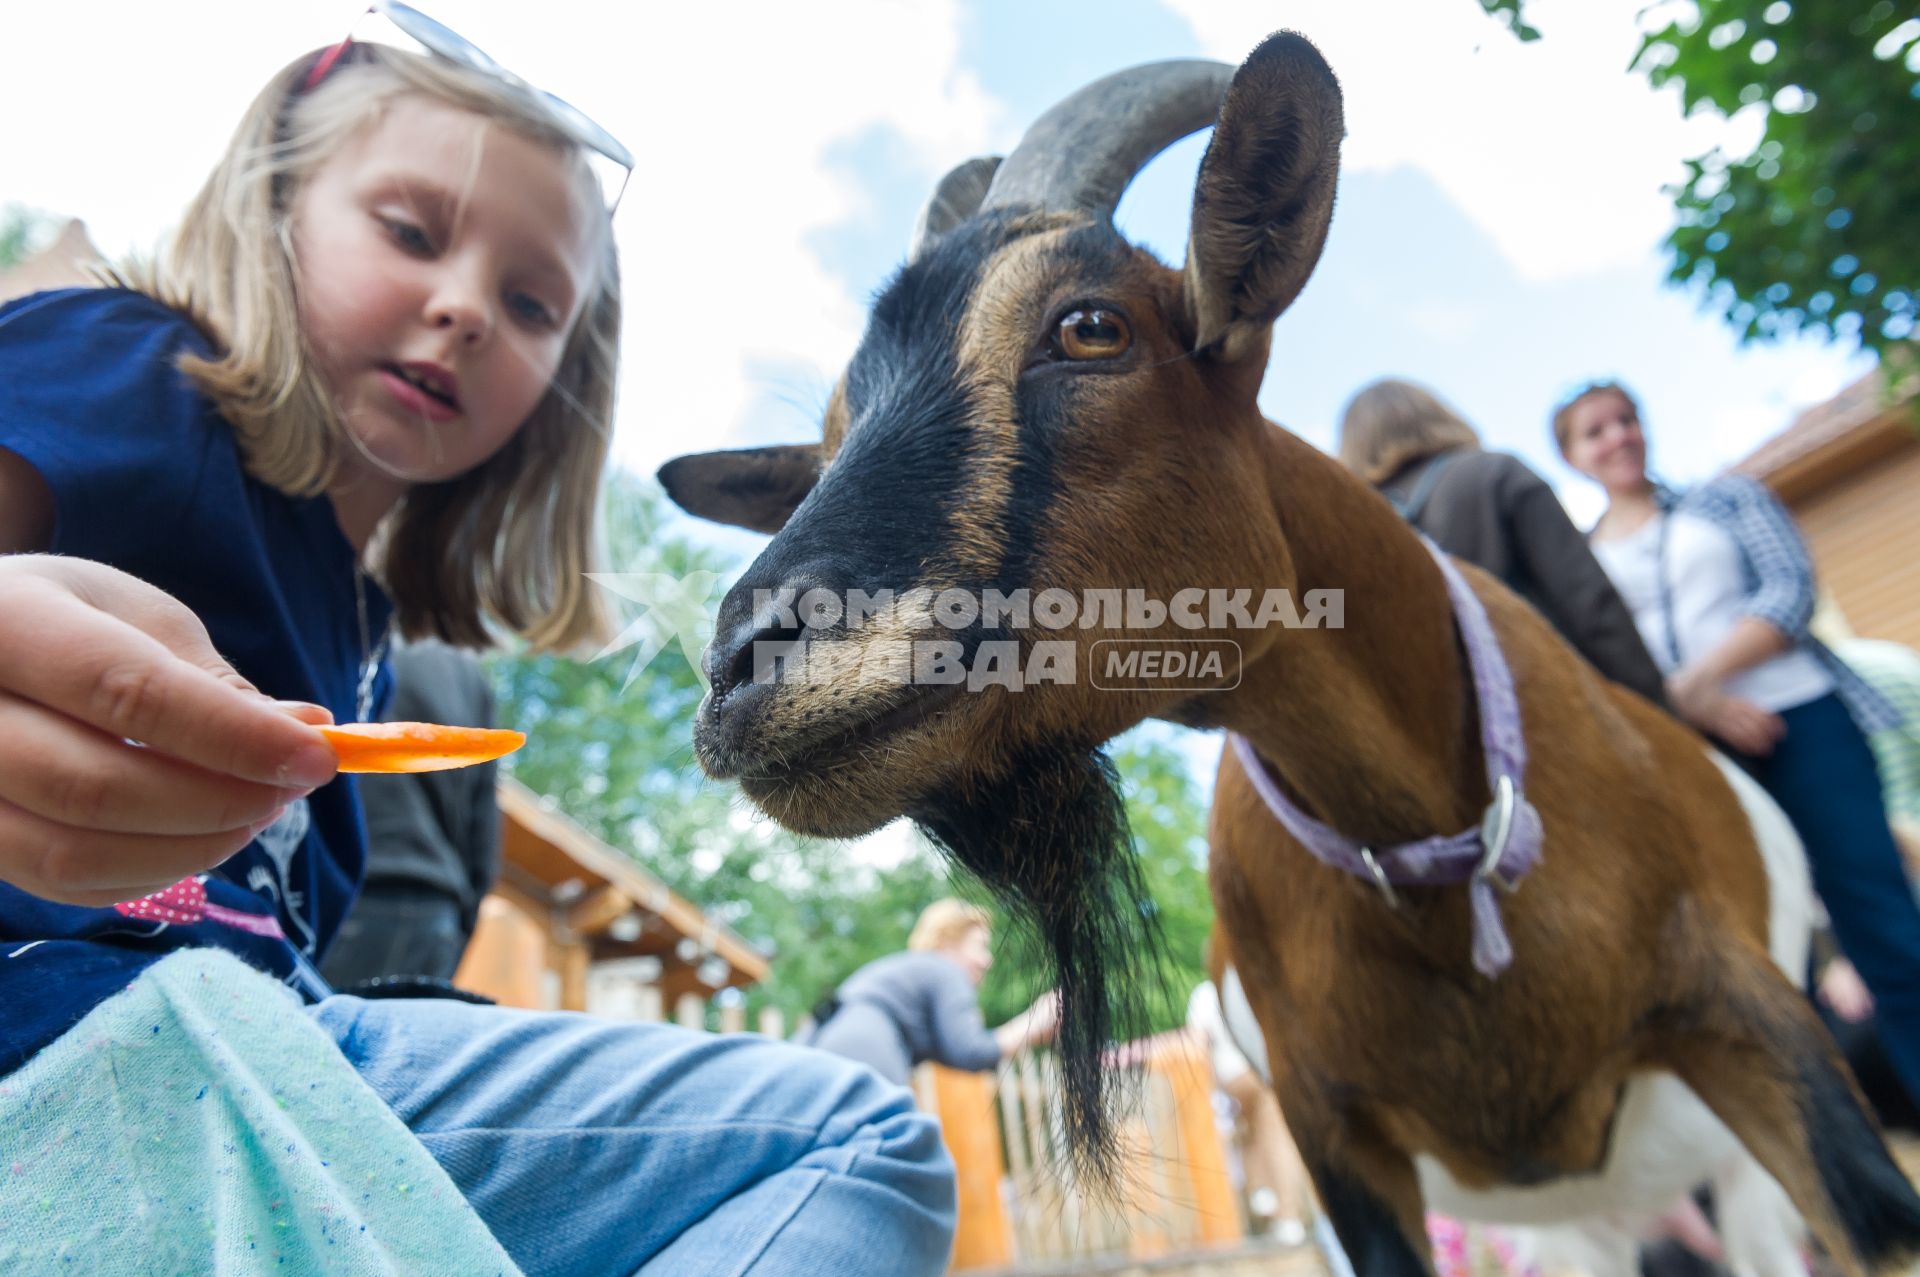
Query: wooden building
(1849, 469)
(566, 904)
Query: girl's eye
(408, 236)
(530, 310)
(1087, 332)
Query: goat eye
(1087, 333)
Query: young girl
(380, 351)
(1721, 587)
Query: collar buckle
(1379, 877)
(1496, 827)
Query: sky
(1496, 236)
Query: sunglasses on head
(442, 41)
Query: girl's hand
(1738, 722)
(92, 660)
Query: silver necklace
(370, 655)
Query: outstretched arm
(92, 660)
(1034, 1026)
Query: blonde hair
(511, 539)
(944, 923)
(1563, 415)
(1391, 424)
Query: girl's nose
(461, 313)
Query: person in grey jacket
(1489, 509)
(924, 1005)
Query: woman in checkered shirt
(1721, 588)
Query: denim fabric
(591, 1147)
(1823, 776)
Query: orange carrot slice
(417, 747)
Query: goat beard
(1049, 838)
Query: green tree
(1811, 231)
(1507, 13)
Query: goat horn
(956, 198)
(1084, 152)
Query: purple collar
(1504, 846)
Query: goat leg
(1367, 1189)
(1749, 1044)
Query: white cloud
(1553, 147)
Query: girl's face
(974, 951)
(442, 260)
(1605, 443)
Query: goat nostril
(763, 627)
(751, 660)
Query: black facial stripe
(909, 417)
(1045, 403)
(910, 421)
(1034, 486)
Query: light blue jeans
(593, 1147)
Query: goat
(1037, 404)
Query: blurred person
(1721, 587)
(1491, 510)
(1893, 670)
(1846, 1008)
(1277, 1192)
(923, 1005)
(433, 838)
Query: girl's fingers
(88, 867)
(73, 775)
(112, 652)
(317, 715)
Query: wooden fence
(1020, 1201)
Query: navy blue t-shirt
(146, 478)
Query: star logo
(672, 609)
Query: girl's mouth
(424, 388)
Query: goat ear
(756, 488)
(1265, 195)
